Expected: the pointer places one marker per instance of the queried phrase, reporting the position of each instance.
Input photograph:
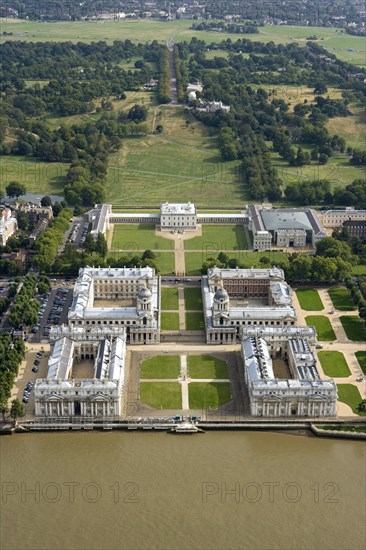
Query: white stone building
(64, 394)
(8, 225)
(119, 297)
(99, 218)
(281, 375)
(235, 298)
(178, 216)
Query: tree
(149, 255)
(138, 113)
(3, 404)
(16, 409)
(15, 189)
(46, 201)
(320, 88)
(362, 406)
(101, 245)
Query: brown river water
(219, 490)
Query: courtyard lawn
(133, 238)
(341, 299)
(353, 327)
(193, 299)
(203, 395)
(206, 366)
(166, 262)
(334, 364)
(161, 366)
(161, 395)
(322, 326)
(245, 258)
(361, 358)
(169, 298)
(169, 320)
(349, 394)
(219, 237)
(194, 320)
(309, 299)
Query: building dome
(221, 295)
(144, 293)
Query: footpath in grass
(161, 366)
(169, 298)
(341, 299)
(349, 394)
(334, 364)
(353, 327)
(206, 366)
(309, 299)
(161, 395)
(204, 396)
(169, 320)
(193, 299)
(361, 358)
(322, 326)
(194, 320)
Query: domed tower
(144, 298)
(221, 300)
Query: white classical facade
(235, 298)
(336, 218)
(178, 216)
(62, 394)
(8, 225)
(130, 298)
(302, 393)
(99, 218)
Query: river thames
(219, 490)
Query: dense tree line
(47, 245)
(24, 308)
(246, 27)
(164, 76)
(11, 355)
(180, 74)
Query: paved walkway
(184, 381)
(110, 236)
(182, 313)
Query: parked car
(35, 368)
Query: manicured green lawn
(247, 258)
(334, 363)
(136, 237)
(169, 320)
(349, 394)
(166, 262)
(309, 299)
(206, 366)
(161, 395)
(193, 299)
(211, 395)
(194, 320)
(341, 299)
(161, 366)
(223, 237)
(169, 298)
(322, 326)
(353, 327)
(361, 358)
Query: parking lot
(53, 311)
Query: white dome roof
(221, 294)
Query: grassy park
(132, 238)
(361, 358)
(222, 237)
(206, 366)
(43, 178)
(247, 258)
(193, 299)
(309, 299)
(169, 298)
(353, 327)
(161, 366)
(349, 394)
(341, 299)
(161, 395)
(334, 364)
(203, 395)
(322, 326)
(169, 320)
(195, 320)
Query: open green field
(161, 395)
(180, 163)
(193, 299)
(361, 358)
(353, 327)
(161, 366)
(169, 320)
(206, 366)
(349, 394)
(169, 298)
(309, 299)
(195, 320)
(341, 299)
(351, 128)
(224, 237)
(166, 262)
(43, 178)
(203, 395)
(194, 260)
(322, 326)
(359, 269)
(334, 364)
(143, 30)
(136, 237)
